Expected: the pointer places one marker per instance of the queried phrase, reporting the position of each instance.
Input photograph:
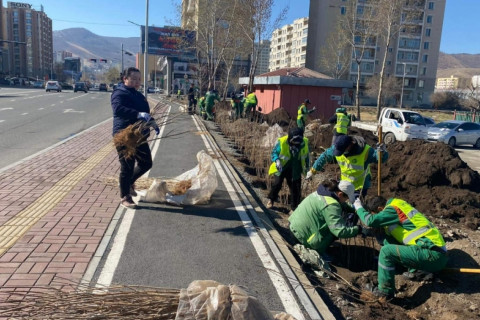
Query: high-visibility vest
(251, 98)
(285, 155)
(342, 123)
(352, 168)
(300, 114)
(423, 227)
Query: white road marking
(52, 105)
(72, 111)
(2, 109)
(25, 113)
(2, 120)
(13, 100)
(41, 108)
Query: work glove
(314, 108)
(357, 204)
(309, 175)
(155, 126)
(381, 147)
(364, 231)
(278, 164)
(144, 116)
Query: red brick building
(289, 87)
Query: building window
(424, 71)
(390, 49)
(431, 5)
(429, 19)
(425, 58)
(426, 45)
(360, 10)
(389, 63)
(428, 31)
(343, 10)
(421, 83)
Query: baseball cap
(306, 101)
(341, 145)
(347, 188)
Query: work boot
(269, 204)
(381, 294)
(128, 203)
(418, 275)
(133, 193)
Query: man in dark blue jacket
(130, 106)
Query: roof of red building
(301, 72)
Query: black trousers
(295, 187)
(129, 173)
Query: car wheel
(477, 144)
(452, 142)
(389, 138)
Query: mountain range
(87, 45)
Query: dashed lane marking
(17, 226)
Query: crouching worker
(412, 240)
(318, 220)
(289, 160)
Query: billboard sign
(168, 41)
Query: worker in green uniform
(318, 220)
(201, 107)
(412, 240)
(342, 121)
(303, 112)
(250, 104)
(237, 106)
(210, 99)
(289, 161)
(354, 157)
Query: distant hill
(87, 45)
(461, 65)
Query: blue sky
(110, 18)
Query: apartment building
(412, 55)
(288, 47)
(29, 52)
(263, 57)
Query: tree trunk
(382, 73)
(357, 93)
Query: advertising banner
(168, 41)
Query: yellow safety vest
(352, 168)
(423, 227)
(285, 155)
(251, 98)
(300, 114)
(342, 123)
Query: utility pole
(145, 54)
(403, 83)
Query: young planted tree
(257, 26)
(396, 16)
(391, 88)
(359, 25)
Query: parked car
(402, 125)
(102, 87)
(53, 85)
(455, 132)
(428, 121)
(80, 86)
(66, 86)
(39, 84)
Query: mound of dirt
(278, 116)
(322, 136)
(434, 179)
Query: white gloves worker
(278, 164)
(357, 204)
(309, 175)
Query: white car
(53, 85)
(454, 133)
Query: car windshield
(413, 118)
(446, 125)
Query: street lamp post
(403, 83)
(145, 54)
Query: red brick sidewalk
(58, 248)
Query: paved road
(32, 119)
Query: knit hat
(341, 144)
(347, 188)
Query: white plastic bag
(272, 135)
(203, 183)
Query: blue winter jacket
(126, 104)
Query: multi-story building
(59, 56)
(288, 46)
(30, 46)
(263, 57)
(412, 55)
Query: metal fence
(466, 116)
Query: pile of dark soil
(278, 116)
(322, 136)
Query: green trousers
(209, 111)
(249, 107)
(301, 124)
(237, 108)
(411, 257)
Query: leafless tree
(257, 26)
(359, 23)
(335, 56)
(391, 88)
(472, 101)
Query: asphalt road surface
(32, 119)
